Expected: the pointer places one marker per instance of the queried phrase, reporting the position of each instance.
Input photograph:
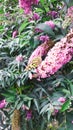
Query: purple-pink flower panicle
(27, 5)
(58, 56)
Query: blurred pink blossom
(2, 104)
(50, 23)
(53, 14)
(14, 34)
(62, 99)
(19, 58)
(55, 112)
(44, 38)
(36, 16)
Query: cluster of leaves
(41, 97)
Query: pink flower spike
(60, 54)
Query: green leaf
(23, 25)
(49, 114)
(36, 104)
(20, 105)
(69, 119)
(44, 109)
(46, 28)
(65, 106)
(10, 99)
(68, 2)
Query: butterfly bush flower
(2, 104)
(27, 5)
(44, 38)
(51, 24)
(14, 34)
(40, 51)
(62, 99)
(19, 58)
(58, 56)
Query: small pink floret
(2, 104)
(19, 58)
(62, 99)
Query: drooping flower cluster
(59, 55)
(26, 5)
(69, 18)
(41, 50)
